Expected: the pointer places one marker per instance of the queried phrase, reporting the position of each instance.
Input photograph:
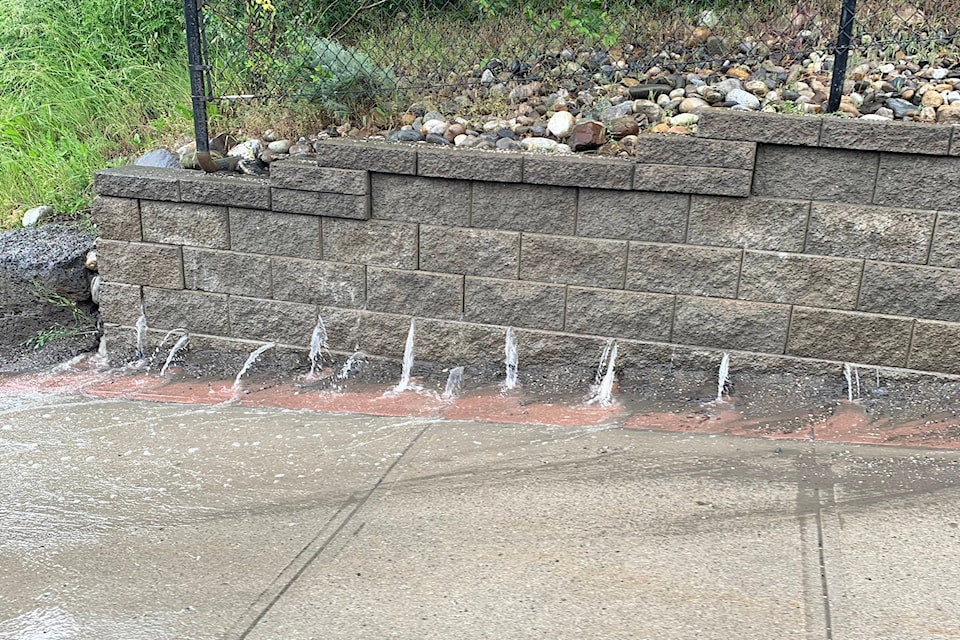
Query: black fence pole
(197, 67)
(840, 54)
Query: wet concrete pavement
(128, 520)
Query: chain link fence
(345, 55)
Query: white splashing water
(318, 344)
(177, 347)
(510, 360)
(606, 376)
(141, 332)
(848, 374)
(250, 360)
(355, 358)
(723, 376)
(454, 383)
(404, 383)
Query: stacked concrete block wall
(797, 241)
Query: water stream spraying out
(177, 347)
(404, 383)
(510, 351)
(141, 332)
(852, 375)
(606, 375)
(454, 383)
(318, 344)
(848, 374)
(723, 376)
(355, 358)
(250, 360)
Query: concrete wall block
(195, 225)
(695, 152)
(847, 336)
(801, 173)
(242, 274)
(249, 191)
(523, 207)
(894, 137)
(325, 283)
(370, 156)
(119, 303)
(469, 164)
(474, 252)
(415, 293)
(770, 128)
(945, 249)
(415, 199)
(691, 179)
(576, 171)
(687, 270)
(132, 181)
(511, 303)
(158, 265)
(580, 261)
(458, 342)
(191, 310)
(916, 292)
(385, 334)
(272, 320)
(315, 203)
(800, 279)
(302, 175)
(731, 324)
(934, 347)
(274, 233)
(632, 215)
(874, 233)
(559, 349)
(117, 218)
(373, 242)
(752, 223)
(922, 182)
(619, 314)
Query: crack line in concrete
(823, 567)
(306, 557)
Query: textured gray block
(688, 270)
(458, 342)
(752, 223)
(934, 347)
(811, 281)
(372, 242)
(117, 218)
(523, 207)
(510, 303)
(772, 128)
(416, 199)
(619, 314)
(274, 233)
(801, 173)
(272, 321)
(138, 182)
(247, 191)
(159, 265)
(582, 261)
(119, 303)
(731, 324)
(921, 182)
(916, 292)
(688, 179)
(315, 203)
(326, 283)
(242, 274)
(196, 225)
(194, 311)
(307, 176)
(875, 233)
(415, 293)
(847, 336)
(558, 349)
(577, 171)
(695, 152)
(474, 252)
(632, 215)
(369, 156)
(468, 164)
(945, 249)
(894, 137)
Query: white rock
(487, 78)
(663, 100)
(95, 283)
(461, 140)
(744, 98)
(32, 216)
(677, 93)
(436, 127)
(885, 113)
(280, 146)
(561, 124)
(876, 117)
(951, 97)
(939, 73)
(91, 260)
(539, 144)
(248, 150)
(493, 125)
(564, 148)
(684, 119)
(886, 68)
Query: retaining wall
(796, 240)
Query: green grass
(83, 83)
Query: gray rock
(32, 216)
(248, 150)
(161, 158)
(487, 78)
(616, 111)
(407, 135)
(539, 144)
(280, 146)
(52, 255)
(433, 115)
(900, 107)
(434, 138)
(728, 85)
(648, 108)
(744, 99)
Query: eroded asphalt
(133, 520)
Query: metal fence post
(197, 67)
(844, 35)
